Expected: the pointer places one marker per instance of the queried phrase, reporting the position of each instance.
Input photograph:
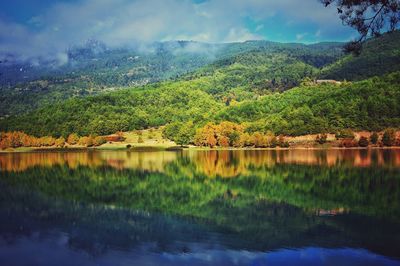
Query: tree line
(229, 134)
(371, 105)
(18, 139)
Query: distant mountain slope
(158, 61)
(113, 67)
(152, 105)
(379, 56)
(373, 104)
(92, 69)
(234, 81)
(269, 67)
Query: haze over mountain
(45, 29)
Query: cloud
(259, 27)
(127, 23)
(300, 36)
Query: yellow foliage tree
(60, 142)
(73, 139)
(99, 140)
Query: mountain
(373, 104)
(150, 63)
(94, 68)
(266, 85)
(110, 67)
(379, 56)
(269, 67)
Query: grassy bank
(153, 140)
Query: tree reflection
(255, 199)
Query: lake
(242, 207)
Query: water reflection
(225, 163)
(201, 207)
(151, 161)
(52, 231)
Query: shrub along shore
(211, 136)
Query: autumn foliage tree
(229, 134)
(99, 140)
(282, 142)
(47, 141)
(389, 137)
(60, 142)
(206, 136)
(321, 139)
(18, 139)
(11, 139)
(86, 141)
(73, 139)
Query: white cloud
(259, 27)
(300, 36)
(241, 35)
(127, 22)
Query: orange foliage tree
(206, 136)
(73, 139)
(20, 139)
(60, 142)
(231, 134)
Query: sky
(46, 28)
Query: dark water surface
(336, 207)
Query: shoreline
(153, 140)
(178, 148)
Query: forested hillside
(379, 56)
(105, 66)
(93, 69)
(246, 83)
(235, 71)
(128, 109)
(372, 104)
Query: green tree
(185, 134)
(374, 138)
(321, 139)
(363, 142)
(234, 138)
(344, 134)
(368, 17)
(389, 137)
(99, 140)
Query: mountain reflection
(203, 202)
(225, 163)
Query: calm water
(200, 208)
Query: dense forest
(264, 87)
(94, 69)
(378, 56)
(372, 104)
(238, 70)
